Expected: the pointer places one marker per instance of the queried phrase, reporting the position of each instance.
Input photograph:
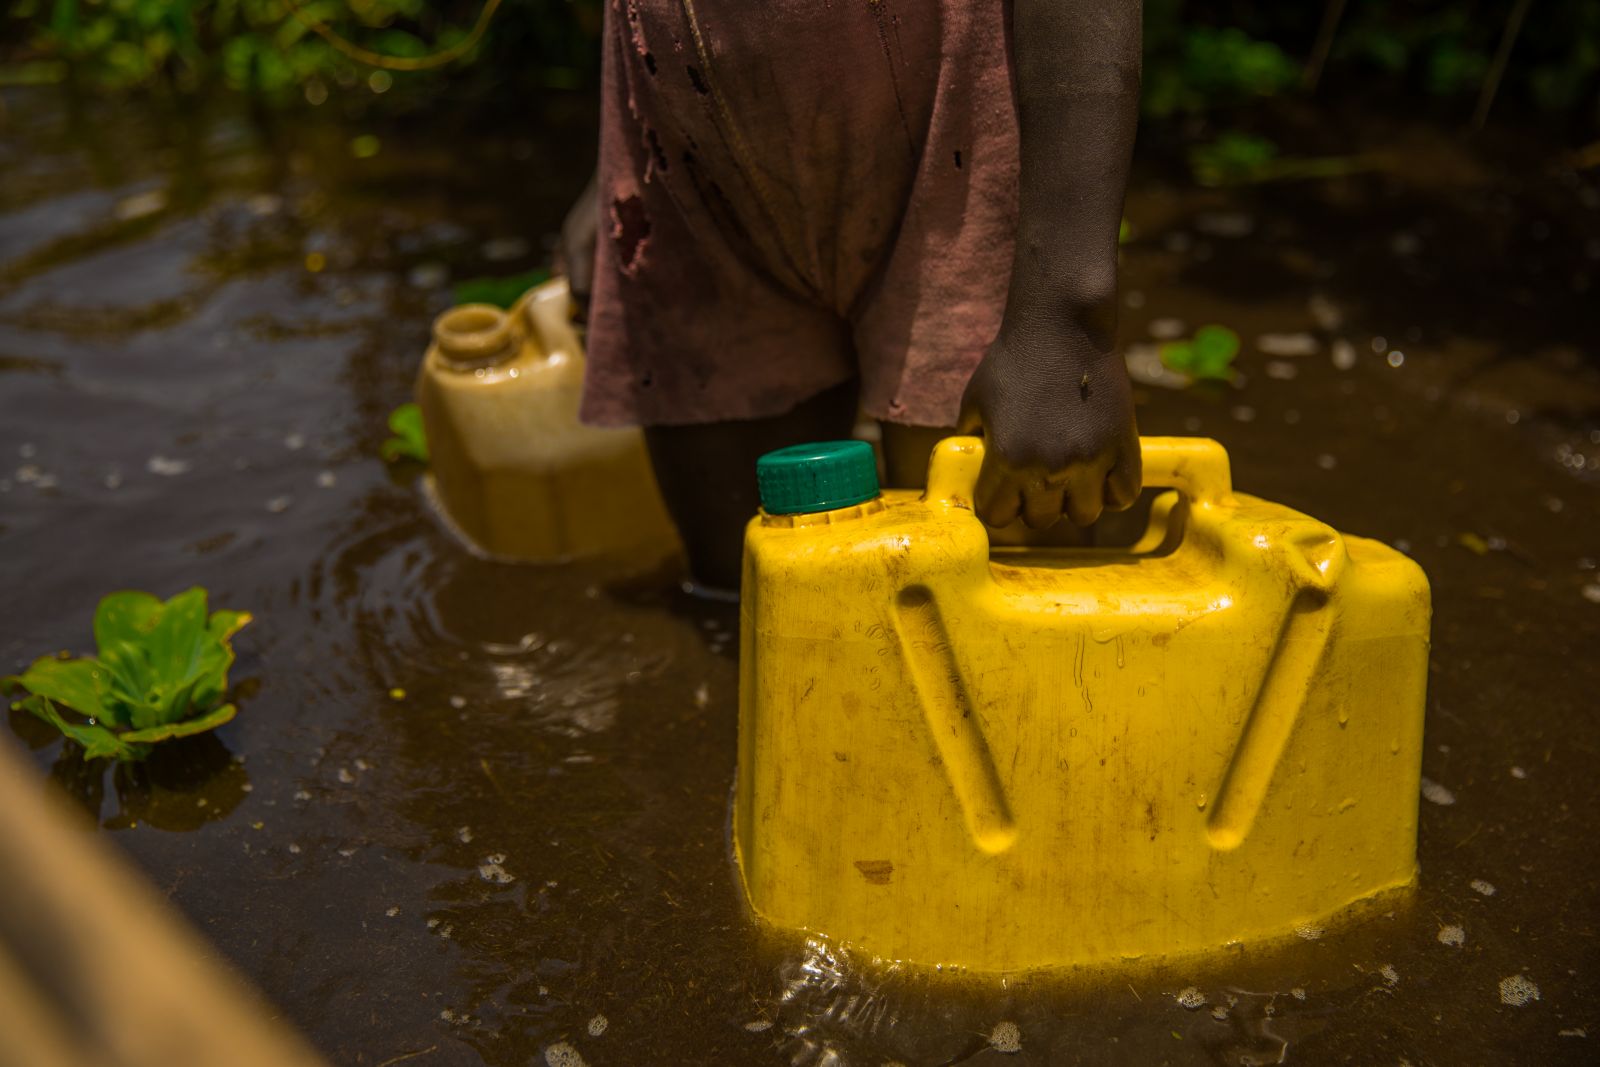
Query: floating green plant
(410, 441)
(1233, 158)
(162, 672)
(501, 292)
(1236, 158)
(1208, 355)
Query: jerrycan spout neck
(474, 336)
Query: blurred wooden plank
(30, 1030)
(96, 969)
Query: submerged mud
(473, 813)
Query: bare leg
(707, 475)
(905, 453)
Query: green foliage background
(257, 47)
(1201, 54)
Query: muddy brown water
(472, 813)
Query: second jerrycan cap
(817, 477)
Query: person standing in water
(808, 208)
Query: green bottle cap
(818, 477)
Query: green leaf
(157, 655)
(178, 636)
(97, 741)
(1208, 356)
(216, 656)
(162, 672)
(1454, 68)
(501, 292)
(1178, 356)
(410, 440)
(125, 616)
(1233, 157)
(73, 682)
(209, 721)
(399, 44)
(1214, 350)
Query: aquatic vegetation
(1198, 57)
(410, 441)
(161, 672)
(1190, 68)
(1232, 158)
(284, 50)
(1235, 158)
(501, 292)
(1209, 355)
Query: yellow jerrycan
(512, 468)
(1008, 758)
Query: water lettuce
(501, 292)
(409, 440)
(161, 672)
(1208, 355)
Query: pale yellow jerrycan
(511, 466)
(1017, 757)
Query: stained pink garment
(794, 193)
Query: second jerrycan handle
(547, 308)
(1195, 466)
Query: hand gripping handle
(1195, 466)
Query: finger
(1085, 495)
(1124, 482)
(1002, 509)
(997, 499)
(1041, 507)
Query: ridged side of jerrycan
(1038, 757)
(511, 466)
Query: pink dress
(794, 193)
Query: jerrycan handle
(548, 309)
(1195, 466)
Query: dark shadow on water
(665, 589)
(30, 729)
(182, 785)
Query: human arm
(1052, 395)
(576, 247)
